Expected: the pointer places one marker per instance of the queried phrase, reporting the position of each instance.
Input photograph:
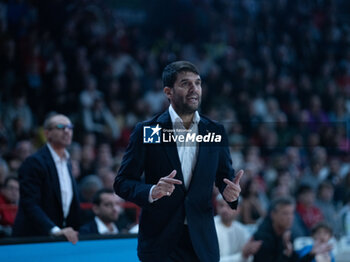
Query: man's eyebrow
(187, 79)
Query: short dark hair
(171, 71)
(97, 197)
(281, 201)
(321, 225)
(304, 188)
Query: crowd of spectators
(275, 72)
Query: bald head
(58, 131)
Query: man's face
(322, 235)
(109, 208)
(185, 96)
(11, 191)
(60, 132)
(282, 217)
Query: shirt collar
(176, 118)
(55, 156)
(103, 229)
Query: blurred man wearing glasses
(49, 203)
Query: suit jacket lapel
(53, 174)
(170, 148)
(202, 152)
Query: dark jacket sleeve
(225, 169)
(31, 177)
(128, 184)
(88, 228)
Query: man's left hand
(233, 189)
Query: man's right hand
(165, 186)
(69, 233)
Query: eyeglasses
(63, 126)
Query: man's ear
(95, 209)
(168, 92)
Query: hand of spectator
(251, 247)
(70, 234)
(233, 189)
(288, 246)
(165, 186)
(320, 248)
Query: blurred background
(276, 73)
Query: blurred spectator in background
(275, 234)
(306, 207)
(49, 201)
(90, 93)
(22, 150)
(107, 207)
(321, 234)
(235, 242)
(99, 120)
(9, 197)
(19, 109)
(87, 163)
(284, 185)
(324, 202)
(104, 157)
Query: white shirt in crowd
(231, 241)
(103, 229)
(64, 179)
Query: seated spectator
(99, 120)
(9, 195)
(275, 233)
(321, 234)
(325, 203)
(106, 207)
(234, 239)
(306, 208)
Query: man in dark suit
(106, 206)
(169, 169)
(49, 203)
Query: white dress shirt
(64, 178)
(187, 151)
(103, 229)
